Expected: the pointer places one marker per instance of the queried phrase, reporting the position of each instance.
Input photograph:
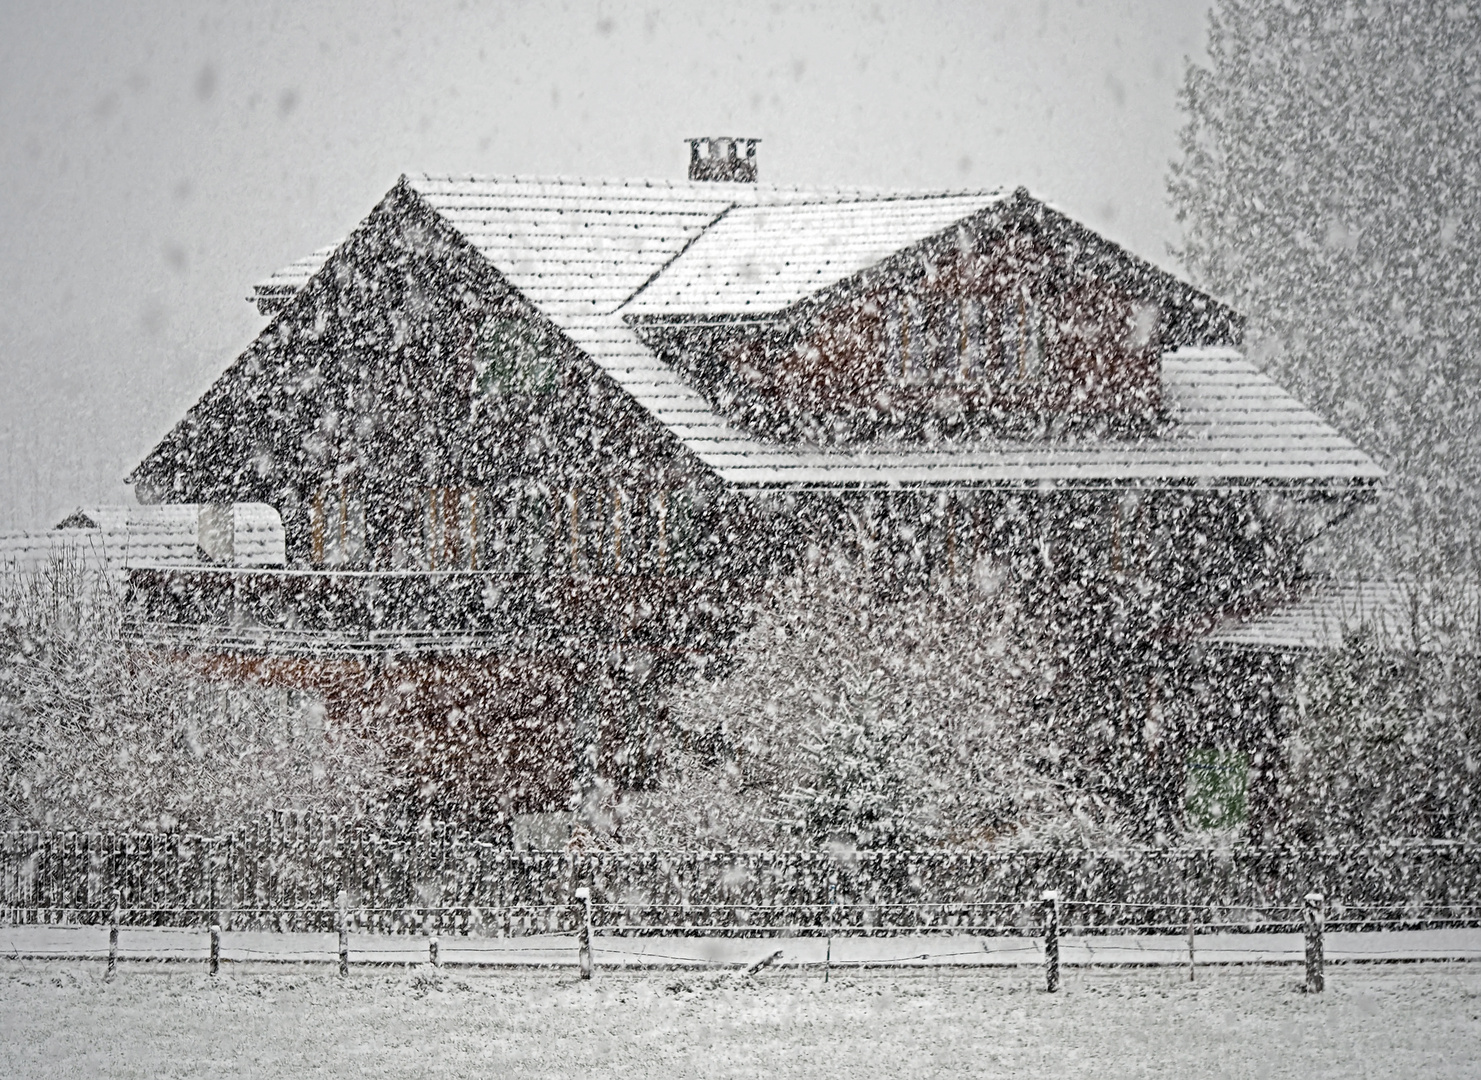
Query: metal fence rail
(288, 874)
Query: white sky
(157, 158)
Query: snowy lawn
(62, 1020)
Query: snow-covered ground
(60, 1019)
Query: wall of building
(995, 338)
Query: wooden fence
(288, 873)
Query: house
(536, 443)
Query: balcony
(368, 613)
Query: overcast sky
(157, 158)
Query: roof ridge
(651, 278)
(862, 191)
(879, 195)
(621, 181)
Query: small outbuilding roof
(121, 537)
(1402, 614)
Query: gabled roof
(572, 247)
(589, 253)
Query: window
(680, 525)
(912, 337)
(513, 356)
(515, 525)
(591, 529)
(924, 340)
(535, 521)
(530, 528)
(1020, 334)
(1218, 781)
(452, 527)
(337, 527)
(893, 337)
(962, 339)
(969, 338)
(611, 529)
(622, 529)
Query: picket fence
(293, 872)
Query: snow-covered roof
(759, 259)
(280, 287)
(573, 247)
(164, 535)
(38, 551)
(590, 253)
(1229, 425)
(120, 537)
(1404, 614)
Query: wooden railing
(327, 611)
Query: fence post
(432, 951)
(583, 931)
(1191, 930)
(1314, 919)
(1051, 940)
(344, 933)
(231, 877)
(828, 949)
(113, 937)
(215, 947)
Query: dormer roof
(763, 259)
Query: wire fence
(298, 872)
(1054, 940)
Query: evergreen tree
(1330, 188)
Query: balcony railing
(357, 612)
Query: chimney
(718, 158)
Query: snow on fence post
(1314, 919)
(113, 937)
(583, 931)
(212, 907)
(342, 902)
(1051, 940)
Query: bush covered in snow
(96, 733)
(867, 713)
(1385, 734)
